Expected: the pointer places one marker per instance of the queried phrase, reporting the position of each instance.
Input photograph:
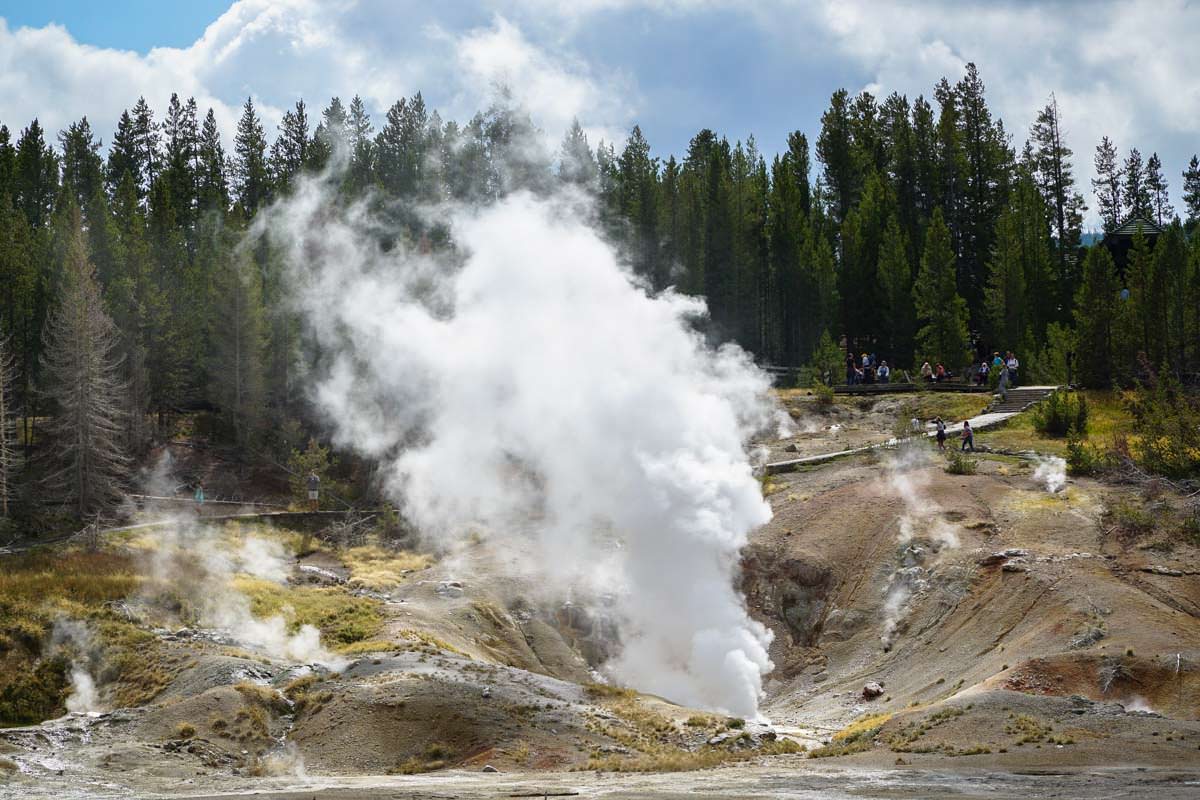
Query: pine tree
(145, 143)
(8, 429)
(19, 297)
(181, 140)
(87, 463)
(1156, 187)
(82, 167)
(1055, 180)
(402, 147)
(329, 137)
(250, 161)
(290, 153)
(362, 153)
(35, 176)
(1191, 191)
(1107, 185)
(1005, 296)
(987, 160)
(836, 151)
(858, 281)
(943, 336)
(786, 237)
(1020, 294)
(1135, 193)
(239, 339)
(212, 185)
(576, 165)
(925, 153)
(1172, 284)
(1095, 314)
(637, 189)
(123, 157)
(800, 167)
(137, 306)
(897, 313)
(8, 162)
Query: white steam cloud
(74, 639)
(201, 564)
(1051, 472)
(921, 527)
(528, 382)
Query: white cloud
(278, 51)
(1119, 68)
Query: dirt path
(799, 779)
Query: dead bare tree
(82, 368)
(8, 430)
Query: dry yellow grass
(378, 568)
(341, 618)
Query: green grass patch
(1107, 419)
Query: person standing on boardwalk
(941, 432)
(314, 491)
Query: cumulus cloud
(1121, 69)
(278, 51)
(1117, 67)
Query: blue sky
(1122, 69)
(128, 24)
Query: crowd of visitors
(866, 369)
(1006, 368)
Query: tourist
(314, 491)
(850, 368)
(884, 372)
(927, 372)
(199, 494)
(997, 361)
(941, 432)
(1013, 365)
(968, 436)
(981, 375)
(940, 374)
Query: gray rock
(489, 768)
(449, 589)
(872, 690)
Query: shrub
(823, 393)
(958, 464)
(1081, 459)
(1060, 414)
(1166, 425)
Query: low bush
(1166, 426)
(959, 464)
(1061, 414)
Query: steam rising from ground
(1051, 472)
(200, 564)
(921, 528)
(74, 639)
(528, 386)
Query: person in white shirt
(884, 372)
(1012, 364)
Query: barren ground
(1025, 643)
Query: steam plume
(529, 383)
(1051, 472)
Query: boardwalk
(1017, 401)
